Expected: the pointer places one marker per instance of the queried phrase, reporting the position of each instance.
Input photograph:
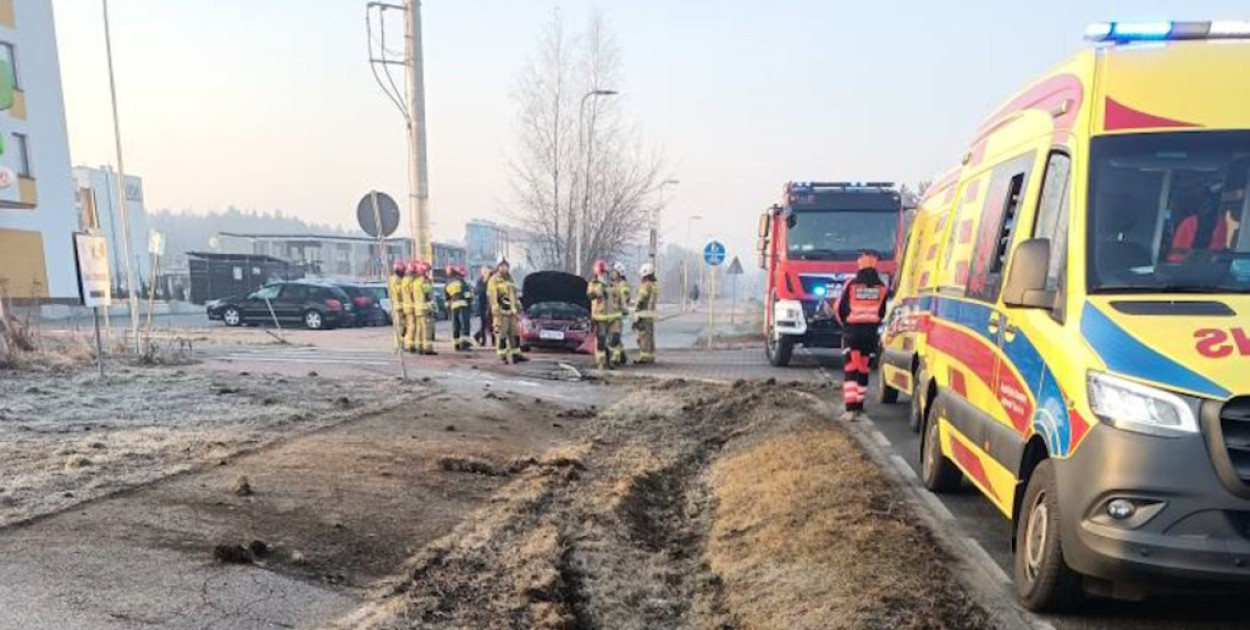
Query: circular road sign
(714, 253)
(378, 214)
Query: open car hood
(554, 286)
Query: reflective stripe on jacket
(502, 295)
(406, 297)
(459, 294)
(422, 295)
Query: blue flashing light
(820, 291)
(1134, 31)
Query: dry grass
(807, 534)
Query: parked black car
(367, 308)
(315, 305)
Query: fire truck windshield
(840, 234)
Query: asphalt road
(986, 524)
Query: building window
(23, 155)
(8, 54)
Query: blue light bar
(1128, 32)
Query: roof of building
(329, 237)
(236, 257)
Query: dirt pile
(649, 522)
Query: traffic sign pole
(377, 218)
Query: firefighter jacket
(648, 295)
(501, 293)
(605, 301)
(394, 286)
(406, 294)
(621, 287)
(459, 294)
(862, 300)
(422, 295)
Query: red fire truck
(809, 244)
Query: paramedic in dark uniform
(860, 309)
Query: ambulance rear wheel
(1043, 580)
(883, 394)
(938, 473)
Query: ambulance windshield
(1166, 212)
(840, 234)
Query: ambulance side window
(998, 224)
(1052, 217)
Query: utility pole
(131, 290)
(418, 171)
(654, 236)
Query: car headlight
(1132, 406)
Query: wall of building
(37, 217)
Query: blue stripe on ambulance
(1126, 355)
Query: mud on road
(686, 505)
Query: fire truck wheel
(779, 350)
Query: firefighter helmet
(601, 267)
(647, 269)
(619, 267)
(400, 267)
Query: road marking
(881, 439)
(304, 360)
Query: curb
(988, 584)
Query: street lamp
(685, 262)
(585, 142)
(655, 221)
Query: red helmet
(400, 267)
(417, 267)
(451, 270)
(601, 267)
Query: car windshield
(840, 235)
(1166, 211)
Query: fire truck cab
(808, 245)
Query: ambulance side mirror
(1026, 282)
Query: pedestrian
(605, 314)
(505, 307)
(394, 286)
(645, 313)
(424, 308)
(859, 309)
(459, 299)
(483, 307)
(408, 295)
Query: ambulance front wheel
(938, 473)
(883, 393)
(1043, 579)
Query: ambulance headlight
(1135, 407)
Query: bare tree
(581, 168)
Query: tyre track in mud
(611, 533)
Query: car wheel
(915, 415)
(232, 316)
(314, 321)
(1043, 579)
(525, 348)
(938, 473)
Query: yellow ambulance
(1072, 319)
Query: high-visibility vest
(502, 295)
(865, 301)
(648, 292)
(422, 296)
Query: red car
(556, 313)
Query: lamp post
(131, 289)
(685, 262)
(585, 142)
(655, 222)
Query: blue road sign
(714, 253)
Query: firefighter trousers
(461, 335)
(410, 330)
(859, 341)
(506, 337)
(426, 322)
(646, 340)
(608, 346)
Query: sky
(270, 104)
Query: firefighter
(644, 313)
(505, 307)
(459, 295)
(393, 287)
(860, 309)
(605, 314)
(483, 307)
(408, 295)
(620, 290)
(423, 308)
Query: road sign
(714, 253)
(7, 176)
(380, 220)
(735, 267)
(92, 255)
